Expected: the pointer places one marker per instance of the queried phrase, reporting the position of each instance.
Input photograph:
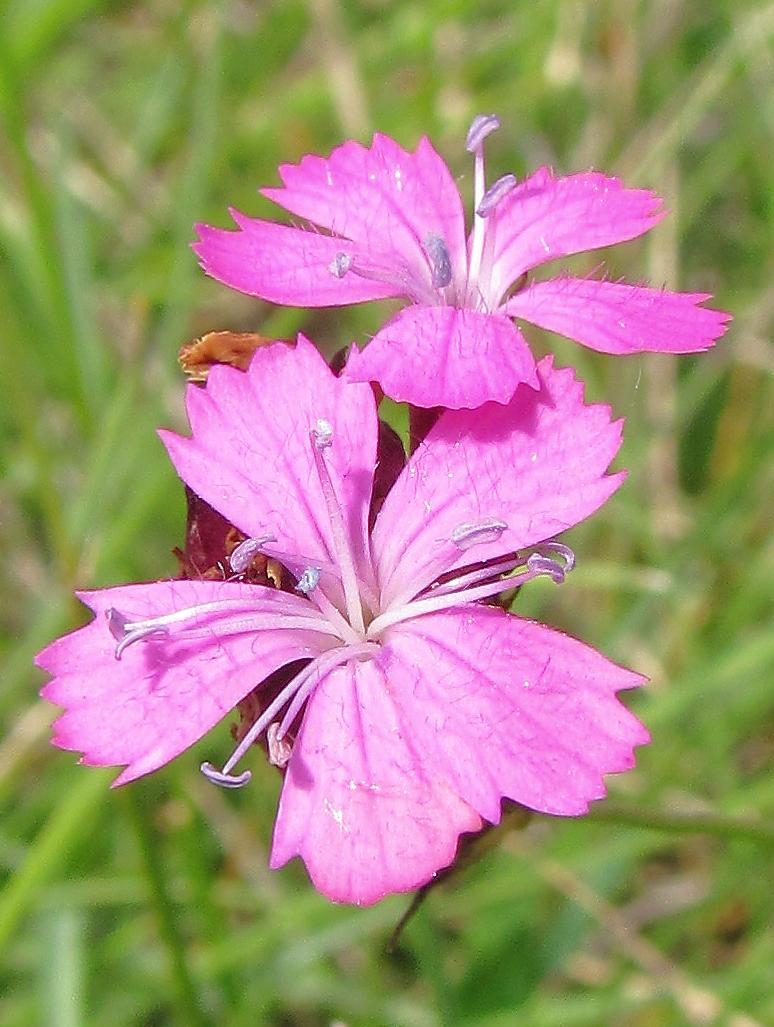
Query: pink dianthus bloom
(394, 226)
(418, 705)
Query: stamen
(246, 551)
(494, 194)
(479, 130)
(127, 633)
(306, 686)
(309, 580)
(474, 533)
(440, 261)
(564, 551)
(301, 685)
(535, 565)
(545, 565)
(322, 437)
(481, 126)
(391, 272)
(224, 780)
(340, 264)
(476, 577)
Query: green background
(124, 123)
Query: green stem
(719, 824)
(190, 1010)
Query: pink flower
(394, 226)
(418, 706)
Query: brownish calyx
(233, 348)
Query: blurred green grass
(122, 124)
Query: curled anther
(481, 126)
(539, 564)
(562, 550)
(122, 630)
(217, 777)
(494, 194)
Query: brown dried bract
(233, 348)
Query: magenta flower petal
(365, 810)
(542, 725)
(383, 197)
(145, 708)
(439, 340)
(545, 218)
(282, 264)
(251, 456)
(538, 465)
(617, 318)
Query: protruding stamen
(126, 632)
(309, 580)
(474, 533)
(117, 622)
(322, 433)
(218, 777)
(322, 436)
(562, 550)
(390, 271)
(280, 749)
(298, 690)
(539, 564)
(481, 126)
(246, 551)
(494, 194)
(340, 264)
(466, 588)
(479, 130)
(440, 261)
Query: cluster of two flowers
(412, 706)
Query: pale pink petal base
(445, 356)
(163, 694)
(397, 757)
(613, 317)
(537, 464)
(361, 804)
